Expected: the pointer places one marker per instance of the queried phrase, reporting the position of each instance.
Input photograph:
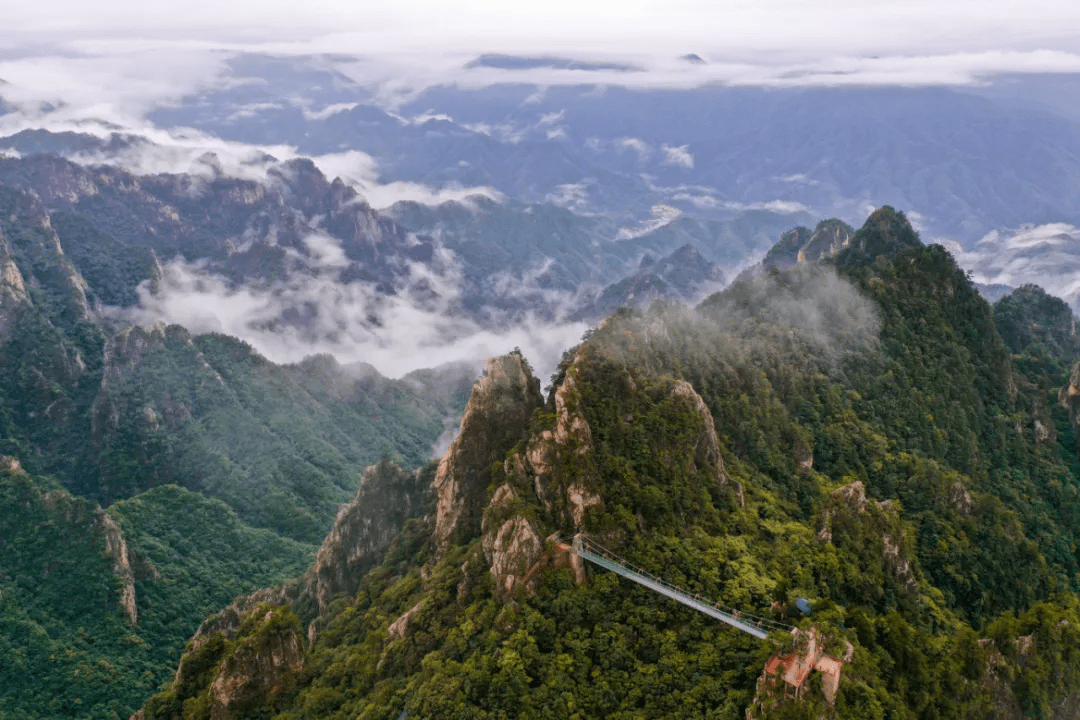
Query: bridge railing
(750, 623)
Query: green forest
(860, 429)
(894, 450)
(220, 470)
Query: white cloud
(384, 195)
(798, 178)
(638, 145)
(711, 202)
(427, 117)
(360, 170)
(661, 216)
(421, 326)
(1045, 255)
(329, 110)
(325, 252)
(551, 118)
(571, 195)
(678, 156)
(780, 28)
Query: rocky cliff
(387, 498)
(497, 418)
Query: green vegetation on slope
(882, 457)
(68, 648)
(111, 411)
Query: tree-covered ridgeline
(891, 451)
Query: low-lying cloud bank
(312, 311)
(1045, 255)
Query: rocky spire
(496, 418)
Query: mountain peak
(496, 418)
(884, 234)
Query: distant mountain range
(965, 164)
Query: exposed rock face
(571, 435)
(1028, 315)
(804, 457)
(254, 669)
(116, 547)
(579, 499)
(829, 238)
(959, 499)
(123, 354)
(399, 627)
(1069, 398)
(571, 432)
(511, 545)
(1042, 424)
(387, 498)
(67, 508)
(706, 446)
(800, 244)
(867, 523)
(241, 228)
(496, 418)
(785, 253)
(682, 275)
(228, 621)
(42, 260)
(13, 295)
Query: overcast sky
(727, 28)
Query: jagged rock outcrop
(571, 431)
(959, 499)
(496, 418)
(800, 245)
(387, 498)
(227, 622)
(706, 446)
(253, 672)
(63, 505)
(511, 542)
(244, 229)
(682, 275)
(570, 435)
(851, 519)
(804, 456)
(116, 548)
(785, 253)
(116, 411)
(397, 629)
(13, 294)
(1042, 424)
(829, 238)
(1030, 316)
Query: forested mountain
(96, 605)
(112, 409)
(149, 475)
(863, 431)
